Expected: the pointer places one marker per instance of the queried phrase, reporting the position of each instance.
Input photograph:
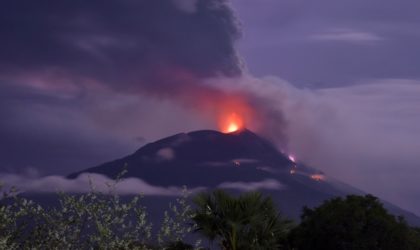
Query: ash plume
(100, 64)
(155, 46)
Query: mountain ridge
(211, 159)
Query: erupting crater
(231, 123)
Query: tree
(249, 221)
(356, 222)
(177, 225)
(93, 220)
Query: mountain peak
(240, 159)
(196, 150)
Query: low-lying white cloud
(165, 154)
(347, 35)
(85, 182)
(269, 184)
(128, 186)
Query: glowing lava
(232, 127)
(234, 113)
(292, 158)
(318, 177)
(233, 122)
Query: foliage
(98, 220)
(177, 223)
(249, 221)
(85, 221)
(356, 222)
(414, 237)
(89, 221)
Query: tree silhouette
(356, 222)
(249, 221)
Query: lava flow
(292, 158)
(318, 177)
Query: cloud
(347, 35)
(362, 40)
(165, 154)
(80, 80)
(82, 184)
(77, 76)
(365, 135)
(368, 137)
(180, 139)
(128, 45)
(127, 186)
(245, 161)
(269, 184)
(66, 134)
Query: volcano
(239, 161)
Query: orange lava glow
(234, 113)
(318, 177)
(292, 158)
(232, 127)
(232, 123)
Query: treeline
(249, 221)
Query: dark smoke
(158, 45)
(64, 66)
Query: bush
(250, 221)
(356, 222)
(90, 221)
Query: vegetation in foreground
(249, 221)
(356, 222)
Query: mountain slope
(239, 161)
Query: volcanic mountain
(239, 161)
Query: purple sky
(357, 110)
(82, 84)
(330, 43)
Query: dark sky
(84, 82)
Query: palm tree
(249, 221)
